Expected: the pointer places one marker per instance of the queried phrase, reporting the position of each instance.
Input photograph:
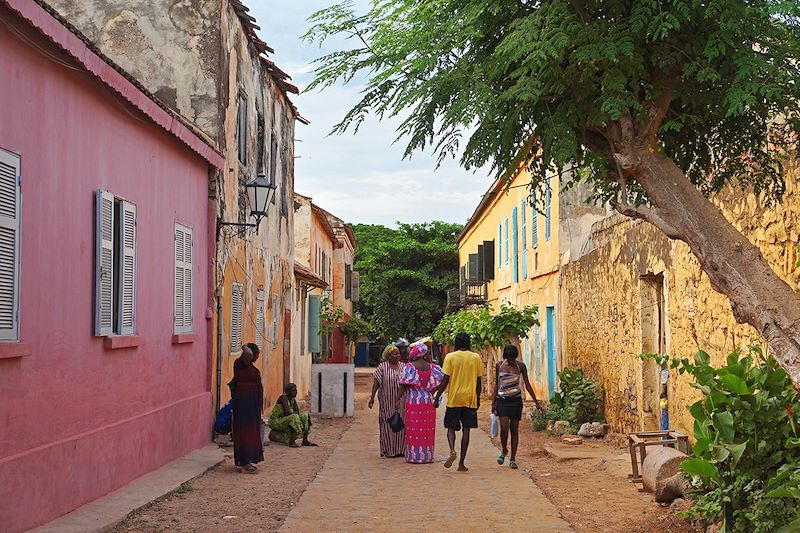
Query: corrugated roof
(309, 277)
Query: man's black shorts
(455, 417)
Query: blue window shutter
(547, 199)
(508, 248)
(524, 240)
(535, 227)
(515, 229)
(313, 324)
(500, 244)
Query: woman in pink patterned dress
(420, 378)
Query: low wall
(332, 389)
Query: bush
(745, 461)
(539, 420)
(579, 400)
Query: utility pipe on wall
(219, 352)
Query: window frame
(186, 324)
(14, 161)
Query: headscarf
(389, 350)
(418, 350)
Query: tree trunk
(735, 266)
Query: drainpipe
(219, 351)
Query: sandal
(512, 464)
(249, 469)
(501, 458)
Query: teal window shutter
(534, 227)
(524, 240)
(500, 245)
(508, 248)
(515, 230)
(313, 324)
(547, 200)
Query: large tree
(405, 274)
(658, 103)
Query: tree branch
(652, 215)
(656, 111)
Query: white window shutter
(260, 319)
(237, 294)
(104, 265)
(127, 261)
(183, 279)
(9, 245)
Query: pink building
(104, 275)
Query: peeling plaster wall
(173, 49)
(603, 304)
(263, 260)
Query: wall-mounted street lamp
(258, 194)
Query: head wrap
(389, 350)
(418, 350)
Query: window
(534, 227)
(260, 319)
(9, 245)
(241, 128)
(273, 164)
(524, 211)
(115, 266)
(515, 241)
(547, 218)
(506, 245)
(314, 306)
(500, 244)
(348, 281)
(237, 310)
(302, 296)
(183, 279)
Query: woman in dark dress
(247, 396)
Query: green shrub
(579, 400)
(539, 420)
(745, 461)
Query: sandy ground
(591, 494)
(225, 500)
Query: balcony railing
(470, 293)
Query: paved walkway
(359, 491)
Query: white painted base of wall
(332, 390)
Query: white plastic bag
(495, 426)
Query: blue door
(551, 350)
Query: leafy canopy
(486, 329)
(713, 84)
(405, 274)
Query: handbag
(495, 429)
(396, 422)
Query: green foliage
(330, 316)
(538, 420)
(355, 328)
(558, 81)
(747, 453)
(580, 399)
(405, 274)
(484, 328)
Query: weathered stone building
(203, 59)
(636, 291)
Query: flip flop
(501, 458)
(450, 460)
(512, 464)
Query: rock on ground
(593, 429)
(662, 463)
(561, 428)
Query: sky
(360, 178)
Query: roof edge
(52, 26)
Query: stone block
(332, 389)
(571, 439)
(593, 429)
(660, 464)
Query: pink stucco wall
(79, 420)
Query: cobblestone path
(359, 491)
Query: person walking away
(421, 378)
(386, 381)
(462, 380)
(247, 397)
(287, 421)
(507, 400)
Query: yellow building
(511, 253)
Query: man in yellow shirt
(462, 374)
